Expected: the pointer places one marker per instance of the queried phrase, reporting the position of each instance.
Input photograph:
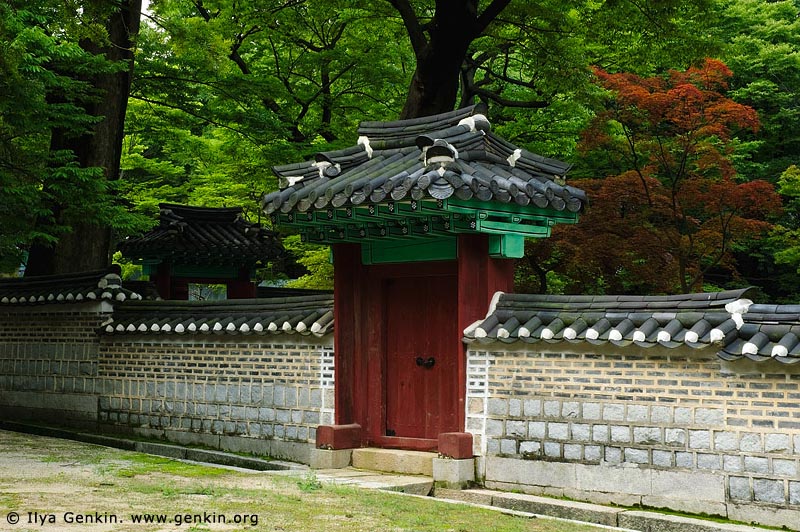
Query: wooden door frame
(359, 336)
(378, 336)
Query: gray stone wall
(241, 392)
(611, 426)
(49, 362)
(264, 394)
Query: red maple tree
(672, 207)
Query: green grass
(73, 476)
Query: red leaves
(674, 210)
(691, 102)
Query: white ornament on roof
(779, 351)
(749, 348)
(737, 308)
(363, 140)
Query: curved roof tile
(727, 320)
(306, 315)
(65, 288)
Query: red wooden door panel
(421, 326)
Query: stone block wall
(259, 393)
(241, 392)
(49, 362)
(667, 428)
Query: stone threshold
(619, 518)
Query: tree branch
(489, 14)
(507, 102)
(415, 30)
(196, 115)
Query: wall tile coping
(306, 315)
(727, 320)
(66, 288)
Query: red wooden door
(422, 349)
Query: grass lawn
(60, 485)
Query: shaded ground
(61, 485)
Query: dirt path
(48, 484)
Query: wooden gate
(391, 320)
(422, 349)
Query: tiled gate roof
(727, 320)
(421, 176)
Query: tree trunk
(88, 246)
(440, 48)
(434, 85)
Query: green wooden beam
(429, 249)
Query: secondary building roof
(725, 320)
(440, 174)
(203, 236)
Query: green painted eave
(423, 219)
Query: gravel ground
(61, 485)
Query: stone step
(394, 461)
(412, 484)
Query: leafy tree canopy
(671, 209)
(46, 91)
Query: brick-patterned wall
(48, 361)
(235, 386)
(260, 393)
(678, 410)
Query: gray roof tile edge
(304, 315)
(726, 320)
(84, 287)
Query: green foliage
(763, 50)
(789, 237)
(309, 482)
(44, 93)
(316, 259)
(224, 91)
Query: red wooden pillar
(347, 278)
(241, 287)
(179, 288)
(479, 277)
(162, 280)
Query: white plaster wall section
(478, 363)
(327, 385)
